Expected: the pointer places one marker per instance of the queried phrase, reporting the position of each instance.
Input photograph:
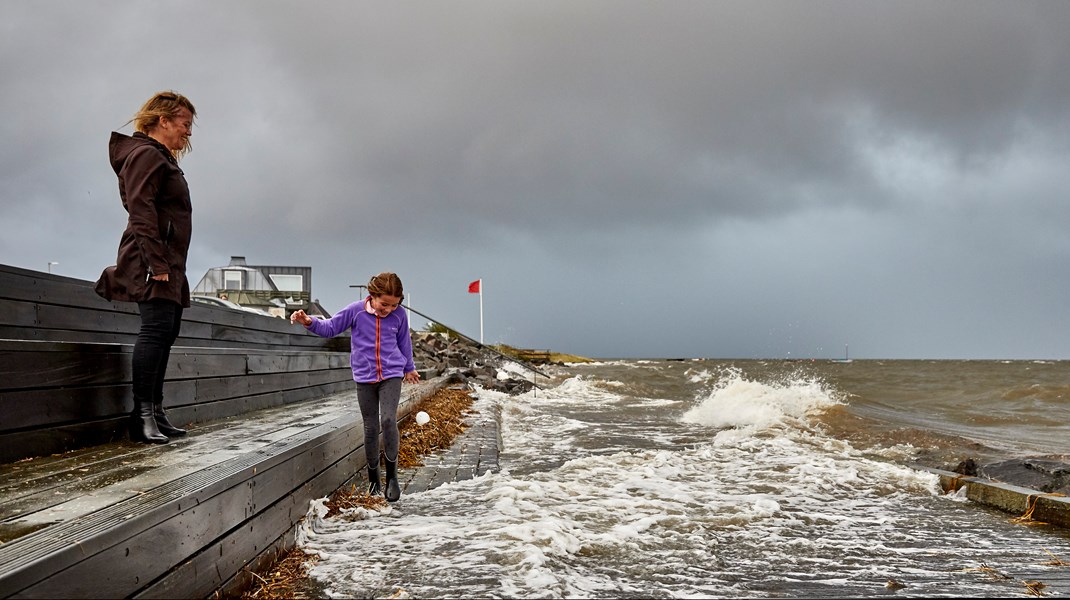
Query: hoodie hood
(121, 146)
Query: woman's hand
(299, 316)
(412, 377)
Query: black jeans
(379, 408)
(160, 323)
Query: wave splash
(738, 402)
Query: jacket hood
(121, 146)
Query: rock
(1045, 474)
(519, 386)
(465, 360)
(967, 467)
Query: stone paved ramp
(473, 453)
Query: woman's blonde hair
(163, 104)
(386, 284)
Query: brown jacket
(156, 241)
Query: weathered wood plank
(295, 342)
(66, 370)
(57, 303)
(31, 408)
(21, 320)
(89, 367)
(17, 445)
(209, 411)
(42, 315)
(33, 286)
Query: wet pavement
(474, 452)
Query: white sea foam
(580, 390)
(558, 533)
(769, 501)
(701, 376)
(740, 402)
(629, 364)
(514, 370)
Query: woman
(151, 265)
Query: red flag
(473, 288)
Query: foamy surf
(723, 490)
(740, 402)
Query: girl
(381, 357)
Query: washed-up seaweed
(447, 409)
(286, 578)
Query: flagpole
(476, 287)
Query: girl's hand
(412, 377)
(299, 316)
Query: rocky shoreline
(439, 354)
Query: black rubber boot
(393, 490)
(143, 425)
(373, 481)
(163, 424)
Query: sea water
(708, 478)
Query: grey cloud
(797, 170)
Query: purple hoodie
(381, 348)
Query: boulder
(1047, 474)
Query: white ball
(422, 418)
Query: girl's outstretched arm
(341, 321)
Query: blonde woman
(150, 268)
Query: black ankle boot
(393, 490)
(143, 425)
(373, 481)
(165, 426)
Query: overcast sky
(629, 179)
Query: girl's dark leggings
(379, 408)
(160, 323)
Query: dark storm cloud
(555, 117)
(805, 171)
